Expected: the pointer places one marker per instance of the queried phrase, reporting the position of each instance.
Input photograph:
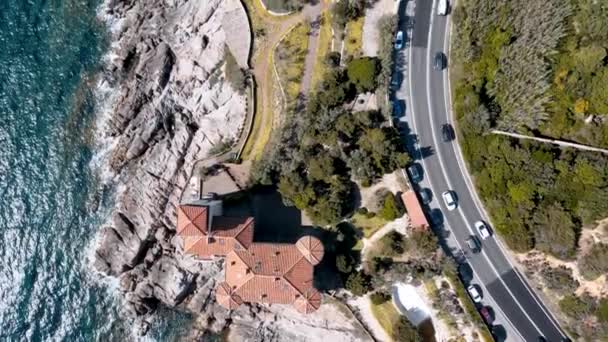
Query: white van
(442, 7)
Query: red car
(487, 316)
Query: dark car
(447, 132)
(414, 172)
(398, 107)
(425, 196)
(473, 244)
(486, 314)
(439, 61)
(396, 80)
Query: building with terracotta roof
(270, 273)
(414, 210)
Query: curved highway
(516, 307)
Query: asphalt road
(527, 318)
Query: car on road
(396, 80)
(449, 198)
(398, 108)
(439, 61)
(414, 172)
(442, 7)
(486, 314)
(482, 229)
(473, 244)
(447, 132)
(425, 196)
(399, 40)
(474, 293)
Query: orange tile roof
(255, 272)
(414, 210)
(226, 234)
(192, 220)
(276, 273)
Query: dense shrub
(362, 72)
(595, 262)
(359, 283)
(380, 297)
(559, 279)
(576, 307)
(345, 263)
(391, 207)
(404, 331)
(556, 233)
(422, 243)
(345, 10)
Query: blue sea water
(51, 203)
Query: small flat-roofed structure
(414, 210)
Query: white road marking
(443, 170)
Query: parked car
(399, 41)
(398, 108)
(425, 196)
(439, 61)
(442, 7)
(449, 198)
(473, 244)
(483, 230)
(396, 80)
(447, 132)
(474, 293)
(487, 316)
(414, 172)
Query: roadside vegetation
(538, 68)
(353, 41)
(289, 58)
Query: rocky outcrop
(172, 105)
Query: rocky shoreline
(173, 105)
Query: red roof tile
(414, 210)
(191, 220)
(311, 248)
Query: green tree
(362, 73)
(345, 263)
(555, 232)
(391, 208)
(358, 283)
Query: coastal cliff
(173, 105)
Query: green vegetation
(362, 73)
(404, 331)
(387, 316)
(380, 297)
(559, 279)
(323, 49)
(586, 308)
(369, 222)
(283, 6)
(594, 263)
(387, 26)
(235, 76)
(345, 11)
(323, 147)
(507, 60)
(289, 56)
(359, 283)
(353, 42)
(391, 207)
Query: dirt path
(313, 14)
(275, 27)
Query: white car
(450, 200)
(483, 230)
(399, 41)
(474, 293)
(442, 7)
